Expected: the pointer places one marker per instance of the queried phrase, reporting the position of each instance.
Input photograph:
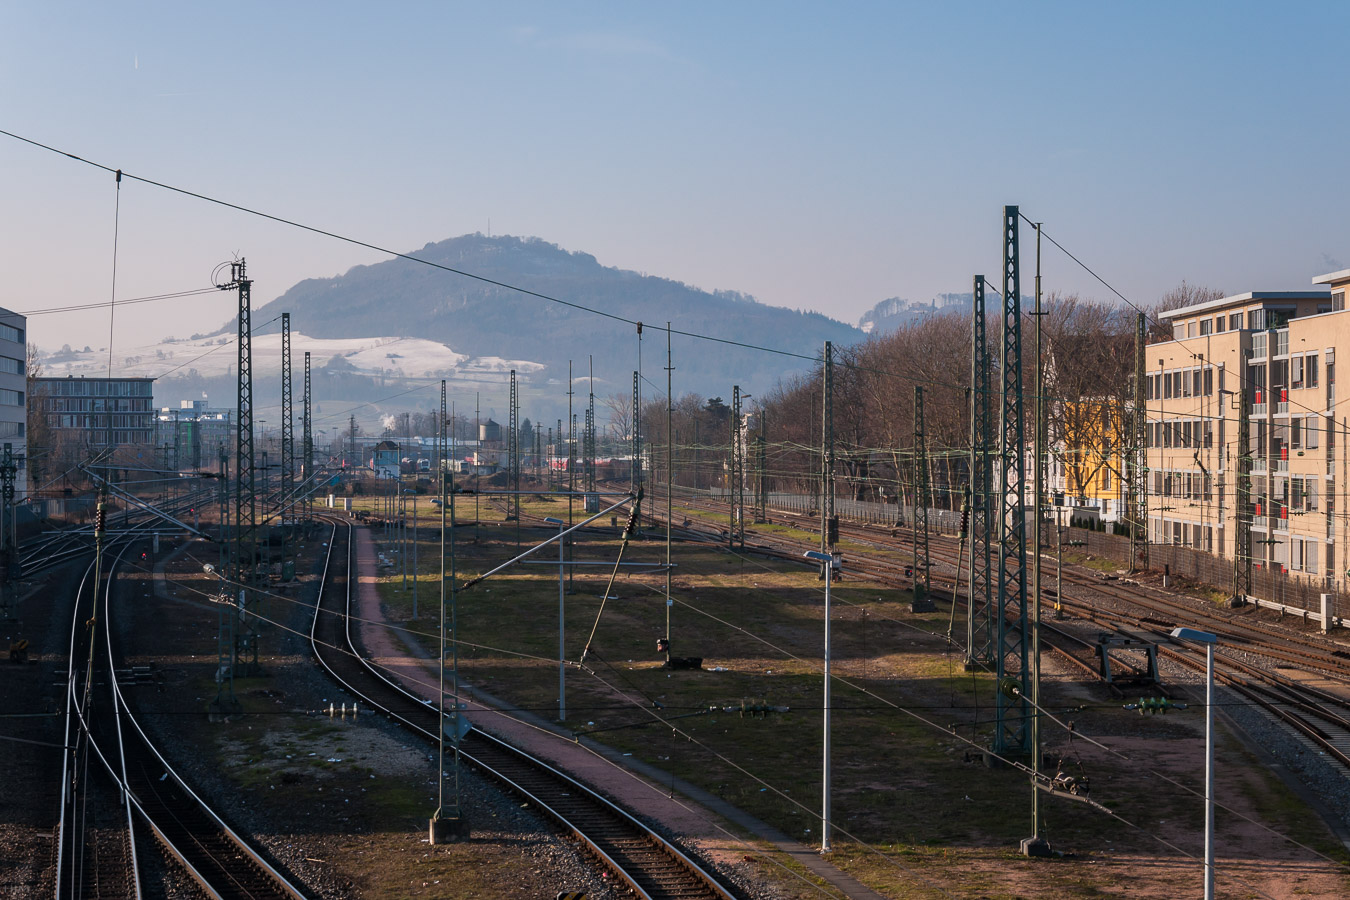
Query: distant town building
(1274, 355)
(13, 388)
(384, 459)
(97, 412)
(193, 435)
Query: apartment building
(13, 390)
(1275, 354)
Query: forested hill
(403, 298)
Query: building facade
(1272, 357)
(13, 394)
(98, 412)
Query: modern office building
(97, 412)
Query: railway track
(1321, 715)
(651, 866)
(105, 738)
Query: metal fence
(1208, 569)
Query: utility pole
(1138, 480)
(8, 525)
(287, 444)
(307, 446)
(1011, 711)
(245, 494)
(351, 436)
(1036, 845)
(637, 433)
(921, 602)
(513, 453)
(670, 471)
(762, 471)
(588, 449)
(447, 823)
(1242, 511)
(829, 526)
(980, 610)
(736, 532)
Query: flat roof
(1249, 297)
(1342, 275)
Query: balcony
(1261, 522)
(1281, 524)
(1258, 409)
(1281, 465)
(1282, 407)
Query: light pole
(829, 563)
(562, 670)
(1209, 640)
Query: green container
(288, 570)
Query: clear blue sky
(821, 156)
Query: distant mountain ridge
(478, 318)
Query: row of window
(96, 404)
(10, 398)
(96, 387)
(11, 366)
(1183, 534)
(1181, 433)
(1182, 485)
(10, 333)
(99, 422)
(1189, 382)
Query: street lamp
(1209, 640)
(829, 564)
(562, 670)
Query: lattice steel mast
(980, 632)
(307, 445)
(244, 569)
(736, 533)
(1011, 709)
(1138, 471)
(287, 433)
(921, 601)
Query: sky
(817, 156)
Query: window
(1310, 490)
(1259, 345)
(1190, 329)
(1296, 372)
(1205, 326)
(1296, 434)
(1310, 557)
(1209, 381)
(12, 366)
(1218, 324)
(10, 333)
(1235, 322)
(1167, 386)
(1310, 370)
(1178, 332)
(1256, 319)
(1338, 301)
(1310, 433)
(1183, 384)
(10, 398)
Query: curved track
(152, 795)
(651, 866)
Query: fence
(1212, 570)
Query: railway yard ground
(726, 758)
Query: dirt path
(684, 809)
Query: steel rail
(483, 747)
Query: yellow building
(1092, 449)
(1276, 353)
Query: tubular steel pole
(1035, 848)
(670, 469)
(825, 762)
(562, 591)
(1209, 771)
